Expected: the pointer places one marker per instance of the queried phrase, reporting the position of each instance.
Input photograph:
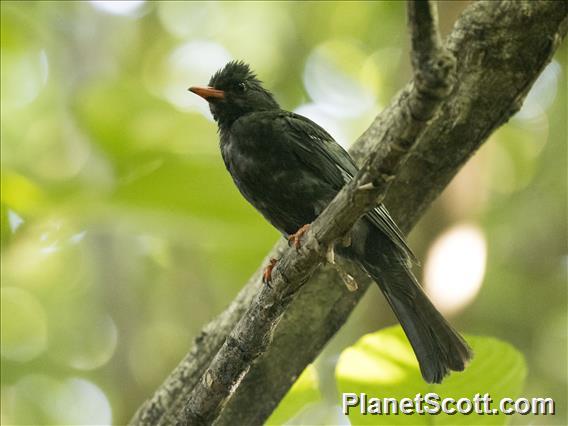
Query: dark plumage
(289, 169)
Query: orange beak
(207, 92)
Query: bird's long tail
(438, 347)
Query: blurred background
(122, 234)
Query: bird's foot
(296, 239)
(267, 273)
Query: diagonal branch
(501, 47)
(252, 334)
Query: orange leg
(296, 239)
(267, 273)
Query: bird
(289, 168)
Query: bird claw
(296, 238)
(267, 273)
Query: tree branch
(425, 36)
(252, 334)
(501, 48)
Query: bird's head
(234, 91)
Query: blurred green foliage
(122, 234)
(382, 364)
(305, 391)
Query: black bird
(289, 169)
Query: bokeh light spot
(100, 347)
(190, 64)
(30, 400)
(40, 399)
(24, 74)
(185, 18)
(258, 34)
(40, 258)
(14, 220)
(24, 325)
(455, 267)
(317, 113)
(87, 343)
(118, 7)
(332, 77)
(20, 193)
(542, 94)
(81, 402)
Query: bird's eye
(241, 87)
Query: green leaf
(383, 365)
(303, 392)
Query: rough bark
(500, 48)
(251, 336)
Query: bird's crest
(234, 71)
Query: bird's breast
(275, 183)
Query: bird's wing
(319, 151)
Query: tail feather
(438, 347)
